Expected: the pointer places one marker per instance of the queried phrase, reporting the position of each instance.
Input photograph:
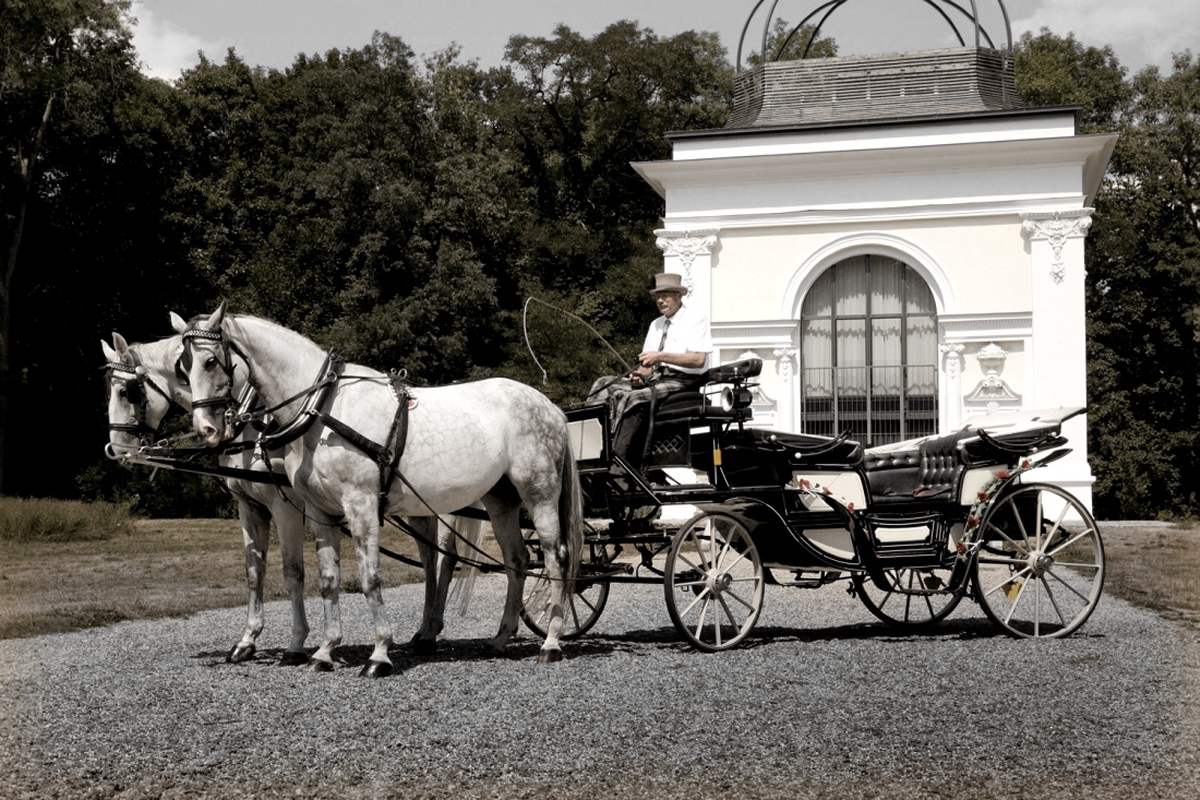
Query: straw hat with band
(668, 282)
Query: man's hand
(650, 358)
(639, 375)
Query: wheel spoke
(723, 553)
(929, 604)
(737, 560)
(735, 596)
(732, 620)
(574, 613)
(703, 614)
(1007, 581)
(1017, 516)
(1007, 539)
(1011, 611)
(1057, 522)
(1070, 588)
(1053, 602)
(1070, 542)
(1075, 565)
(1015, 562)
(1037, 608)
(586, 602)
(696, 544)
(701, 570)
(692, 604)
(1038, 521)
(679, 584)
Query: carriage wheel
(713, 582)
(904, 610)
(1041, 570)
(586, 601)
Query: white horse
(497, 441)
(137, 403)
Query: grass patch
(43, 520)
(162, 568)
(1155, 568)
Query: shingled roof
(808, 92)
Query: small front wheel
(585, 603)
(713, 582)
(919, 598)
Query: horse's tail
(570, 512)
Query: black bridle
(183, 366)
(136, 380)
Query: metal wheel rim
(1042, 572)
(584, 606)
(713, 582)
(907, 610)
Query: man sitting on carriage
(675, 354)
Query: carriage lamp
(732, 399)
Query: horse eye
(121, 393)
(210, 362)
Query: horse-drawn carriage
(909, 529)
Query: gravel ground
(823, 702)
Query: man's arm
(689, 360)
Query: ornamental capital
(686, 245)
(1056, 227)
(952, 358)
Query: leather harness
(318, 396)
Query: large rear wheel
(1041, 570)
(713, 582)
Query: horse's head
(207, 361)
(137, 402)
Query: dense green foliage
(402, 212)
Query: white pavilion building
(897, 237)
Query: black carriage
(909, 529)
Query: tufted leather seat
(930, 470)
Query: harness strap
(387, 456)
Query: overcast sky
(271, 32)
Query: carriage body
(920, 520)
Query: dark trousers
(629, 408)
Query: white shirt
(687, 333)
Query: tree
(1143, 262)
(784, 44)
(55, 57)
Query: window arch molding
(880, 244)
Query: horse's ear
(121, 345)
(177, 323)
(109, 354)
(213, 323)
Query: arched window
(868, 352)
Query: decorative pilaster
(690, 254)
(785, 368)
(952, 364)
(1057, 376)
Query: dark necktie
(663, 341)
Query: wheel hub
(719, 583)
(1040, 562)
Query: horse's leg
(447, 557)
(361, 512)
(256, 529)
(505, 516)
(546, 522)
(329, 552)
(289, 522)
(424, 642)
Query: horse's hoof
(240, 653)
(424, 647)
(549, 656)
(376, 669)
(293, 658)
(320, 665)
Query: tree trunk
(28, 167)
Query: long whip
(576, 317)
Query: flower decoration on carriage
(984, 499)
